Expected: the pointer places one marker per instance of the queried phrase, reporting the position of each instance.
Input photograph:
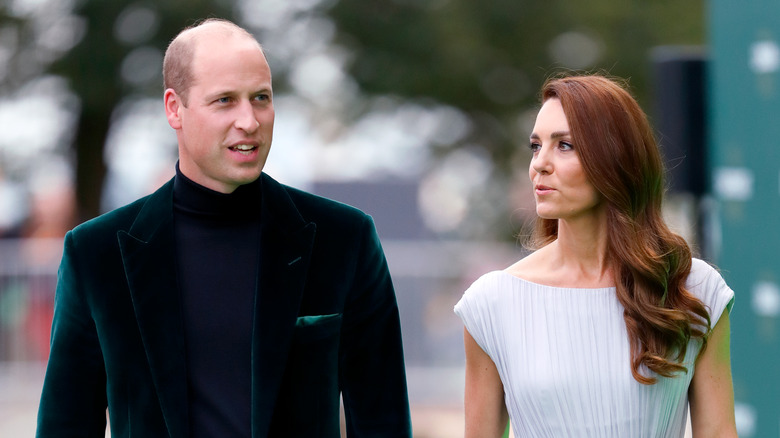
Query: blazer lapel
(148, 254)
(285, 251)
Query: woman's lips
(543, 189)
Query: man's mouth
(245, 149)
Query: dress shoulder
(706, 284)
(478, 307)
(482, 294)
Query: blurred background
(416, 111)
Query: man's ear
(172, 106)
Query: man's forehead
(215, 32)
(217, 54)
(218, 48)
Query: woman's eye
(534, 146)
(566, 146)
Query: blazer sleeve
(372, 376)
(73, 402)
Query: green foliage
(119, 41)
(490, 58)
(445, 49)
(487, 59)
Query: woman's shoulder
(531, 267)
(706, 283)
(703, 274)
(488, 283)
(487, 292)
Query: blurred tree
(489, 58)
(486, 59)
(106, 51)
(120, 55)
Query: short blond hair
(177, 63)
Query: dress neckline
(564, 288)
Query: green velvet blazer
(326, 323)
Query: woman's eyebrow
(556, 134)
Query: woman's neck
(580, 251)
(577, 258)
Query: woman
(610, 327)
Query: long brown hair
(650, 263)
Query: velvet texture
(326, 321)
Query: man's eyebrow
(217, 94)
(556, 134)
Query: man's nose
(245, 118)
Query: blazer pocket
(308, 399)
(312, 328)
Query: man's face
(225, 131)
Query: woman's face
(561, 188)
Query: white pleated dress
(563, 357)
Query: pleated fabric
(563, 356)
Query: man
(224, 304)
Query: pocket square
(308, 320)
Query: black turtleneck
(217, 251)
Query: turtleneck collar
(194, 199)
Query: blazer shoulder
(119, 219)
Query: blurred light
(294, 140)
(445, 191)
(55, 171)
(142, 65)
(391, 139)
(299, 37)
(383, 142)
(277, 14)
(136, 24)
(13, 204)
(745, 416)
(764, 56)
(766, 299)
(23, 8)
(442, 207)
(575, 50)
(734, 183)
(62, 33)
(265, 14)
(447, 125)
(140, 151)
(317, 76)
(40, 113)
